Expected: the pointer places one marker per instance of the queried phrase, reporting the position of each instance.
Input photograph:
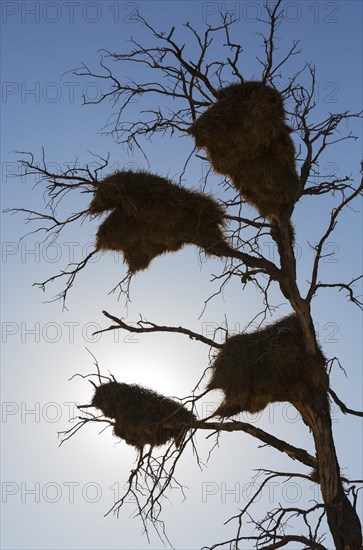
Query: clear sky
(54, 497)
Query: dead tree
(246, 132)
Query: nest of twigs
(151, 215)
(270, 364)
(142, 416)
(247, 139)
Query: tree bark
(342, 518)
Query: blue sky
(43, 346)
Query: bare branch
(275, 16)
(293, 452)
(319, 247)
(146, 326)
(62, 296)
(314, 135)
(271, 529)
(342, 406)
(345, 286)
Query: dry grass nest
(142, 416)
(247, 139)
(270, 364)
(151, 215)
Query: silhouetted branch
(345, 286)
(275, 17)
(271, 529)
(314, 285)
(147, 326)
(293, 452)
(58, 186)
(69, 282)
(342, 406)
(315, 135)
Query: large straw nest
(142, 416)
(151, 215)
(246, 138)
(270, 364)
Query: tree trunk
(283, 234)
(342, 518)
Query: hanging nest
(121, 234)
(152, 215)
(142, 416)
(270, 364)
(246, 138)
